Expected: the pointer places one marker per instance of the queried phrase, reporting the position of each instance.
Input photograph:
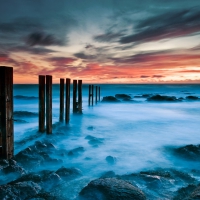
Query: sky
(101, 41)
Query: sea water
(135, 133)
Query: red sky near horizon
(102, 41)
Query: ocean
(124, 137)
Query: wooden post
(62, 87)
(99, 93)
(48, 104)
(80, 96)
(41, 103)
(67, 100)
(89, 95)
(96, 94)
(92, 95)
(6, 113)
(74, 96)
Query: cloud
(107, 37)
(42, 39)
(157, 76)
(143, 76)
(31, 50)
(84, 56)
(61, 61)
(164, 26)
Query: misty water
(137, 134)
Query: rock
(110, 189)
(111, 160)
(192, 98)
(76, 152)
(161, 173)
(3, 163)
(162, 98)
(94, 141)
(190, 152)
(68, 173)
(110, 99)
(20, 190)
(195, 194)
(124, 97)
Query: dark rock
(94, 141)
(190, 152)
(110, 99)
(91, 128)
(184, 192)
(163, 98)
(111, 160)
(25, 97)
(20, 190)
(123, 96)
(195, 194)
(192, 98)
(109, 174)
(20, 121)
(76, 152)
(110, 189)
(3, 163)
(143, 96)
(68, 173)
(161, 173)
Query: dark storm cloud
(31, 50)
(84, 56)
(168, 25)
(42, 39)
(107, 37)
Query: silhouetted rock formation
(190, 152)
(163, 98)
(111, 189)
(110, 99)
(192, 98)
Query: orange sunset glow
(102, 41)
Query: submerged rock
(162, 98)
(76, 152)
(110, 99)
(123, 97)
(94, 141)
(110, 189)
(190, 152)
(111, 160)
(192, 98)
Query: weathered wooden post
(67, 101)
(96, 93)
(48, 104)
(92, 95)
(62, 87)
(41, 103)
(89, 95)
(80, 96)
(99, 93)
(74, 96)
(6, 113)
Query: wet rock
(13, 167)
(161, 173)
(20, 190)
(110, 99)
(143, 96)
(110, 189)
(109, 174)
(190, 152)
(195, 194)
(192, 98)
(91, 128)
(76, 152)
(68, 173)
(163, 98)
(184, 192)
(3, 163)
(111, 160)
(123, 97)
(94, 141)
